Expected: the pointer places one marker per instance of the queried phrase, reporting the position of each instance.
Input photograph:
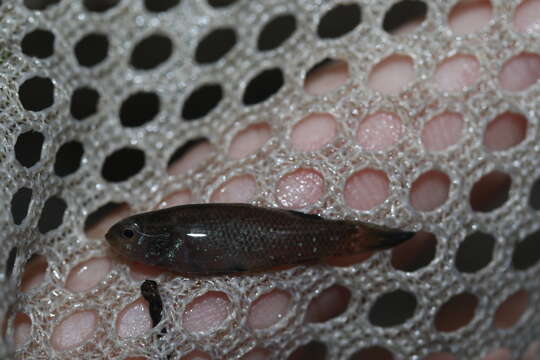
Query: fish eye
(128, 233)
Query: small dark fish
(150, 292)
(230, 238)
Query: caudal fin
(385, 238)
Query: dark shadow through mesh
(20, 202)
(38, 43)
(52, 214)
(404, 12)
(36, 93)
(263, 86)
(102, 212)
(392, 308)
(68, 158)
(202, 101)
(276, 32)
(28, 148)
(215, 45)
(314, 350)
(123, 164)
(84, 103)
(339, 21)
(183, 150)
(475, 252)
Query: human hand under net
(365, 189)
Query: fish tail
(380, 238)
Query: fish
(214, 238)
(150, 292)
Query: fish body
(230, 238)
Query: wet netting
(101, 101)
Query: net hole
(134, 320)
(38, 43)
(325, 76)
(393, 308)
(68, 158)
(100, 5)
(344, 261)
(405, 15)
(456, 313)
(257, 354)
(240, 189)
(28, 148)
(196, 355)
(442, 131)
(276, 32)
(123, 164)
(88, 274)
(372, 353)
(151, 52)
(526, 17)
(520, 72)
(160, 6)
(511, 310)
(314, 350)
(215, 45)
(52, 214)
(263, 86)
(532, 352)
(34, 272)
(527, 252)
(20, 203)
(91, 49)
(268, 309)
(490, 192)
(299, 188)
(457, 73)
(99, 221)
(329, 304)
(415, 253)
(64, 337)
(313, 132)
(22, 327)
(475, 252)
(440, 356)
(202, 101)
(339, 21)
(84, 103)
(189, 156)
(505, 131)
(206, 312)
(499, 354)
(379, 131)
(534, 198)
(36, 93)
(139, 109)
(468, 16)
(221, 3)
(177, 198)
(366, 189)
(392, 75)
(39, 4)
(10, 263)
(430, 190)
(249, 140)
(139, 271)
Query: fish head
(138, 239)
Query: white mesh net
(68, 70)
